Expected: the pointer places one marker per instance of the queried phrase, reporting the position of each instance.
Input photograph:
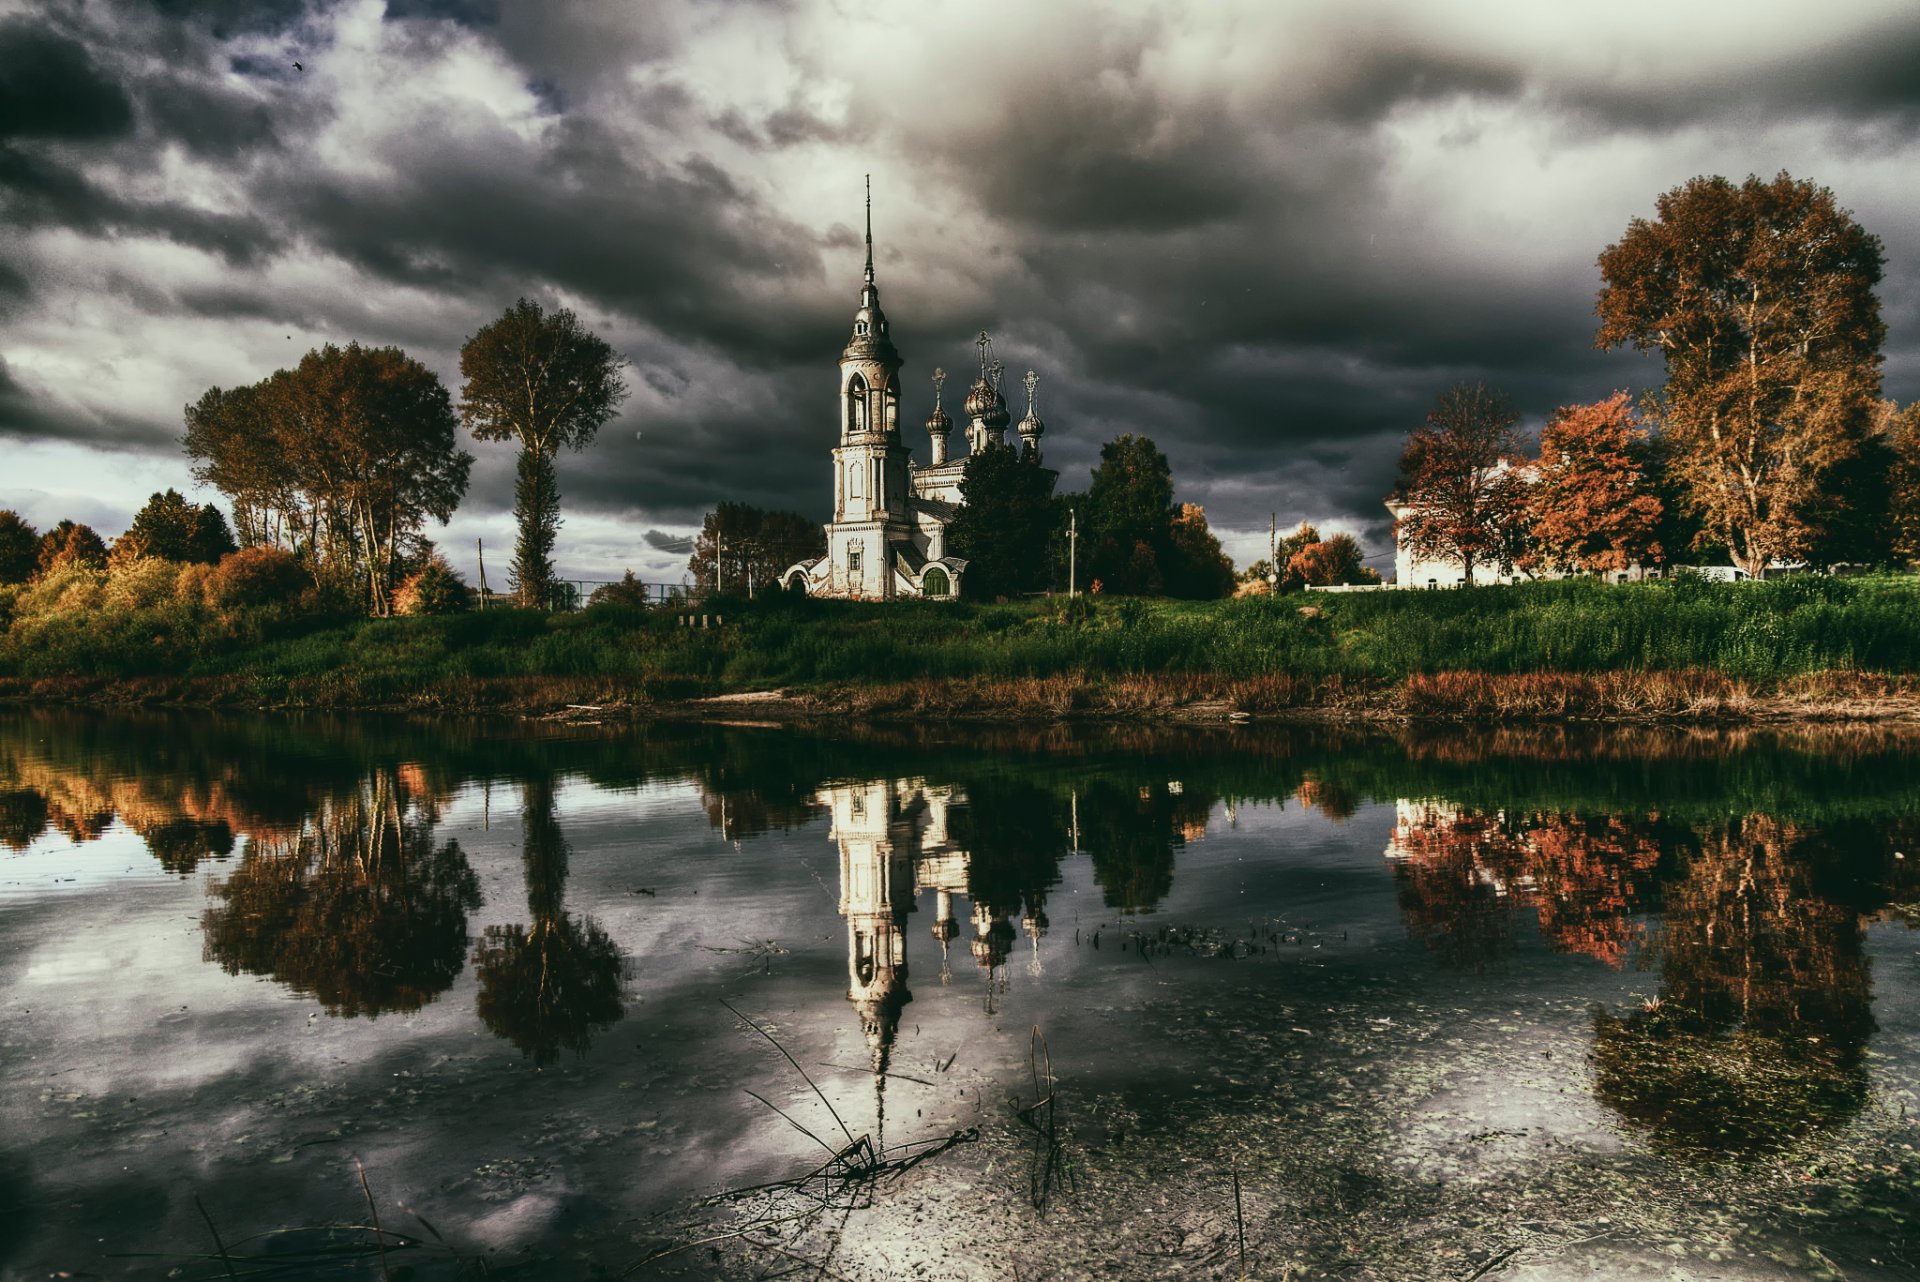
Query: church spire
(869, 229)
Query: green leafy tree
(171, 528)
(19, 548)
(554, 984)
(1761, 299)
(1198, 569)
(1458, 497)
(1129, 516)
(545, 380)
(1006, 520)
(753, 546)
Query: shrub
(628, 591)
(436, 589)
(139, 583)
(256, 576)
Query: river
(284, 996)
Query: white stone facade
(888, 536)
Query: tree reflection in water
(357, 907)
(23, 817)
(1760, 1029)
(1132, 835)
(555, 984)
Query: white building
(888, 535)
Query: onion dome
(1032, 427)
(985, 406)
(938, 422)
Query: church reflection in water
(897, 844)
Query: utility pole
(1273, 551)
(719, 546)
(481, 551)
(1073, 547)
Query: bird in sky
(298, 67)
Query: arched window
(935, 582)
(857, 404)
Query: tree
(1005, 524)
(554, 984)
(1198, 569)
(1760, 298)
(753, 546)
(1460, 499)
(343, 459)
(70, 543)
(1590, 508)
(173, 529)
(544, 380)
(1326, 564)
(19, 548)
(1129, 515)
(1904, 485)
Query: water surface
(1073, 1004)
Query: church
(888, 536)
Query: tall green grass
(1754, 631)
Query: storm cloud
(1264, 235)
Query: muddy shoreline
(1627, 698)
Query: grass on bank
(139, 623)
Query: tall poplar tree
(1760, 298)
(545, 380)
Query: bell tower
(871, 483)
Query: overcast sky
(1265, 234)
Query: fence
(574, 594)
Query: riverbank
(1810, 649)
(1682, 698)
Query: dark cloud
(1858, 75)
(209, 121)
(661, 541)
(50, 87)
(1268, 255)
(224, 19)
(472, 13)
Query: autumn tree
(343, 458)
(1591, 508)
(232, 442)
(1458, 497)
(543, 379)
(171, 528)
(1903, 436)
(19, 548)
(1006, 520)
(1760, 297)
(751, 546)
(1335, 561)
(70, 543)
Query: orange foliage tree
(1760, 298)
(1461, 502)
(1591, 509)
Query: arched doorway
(935, 582)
